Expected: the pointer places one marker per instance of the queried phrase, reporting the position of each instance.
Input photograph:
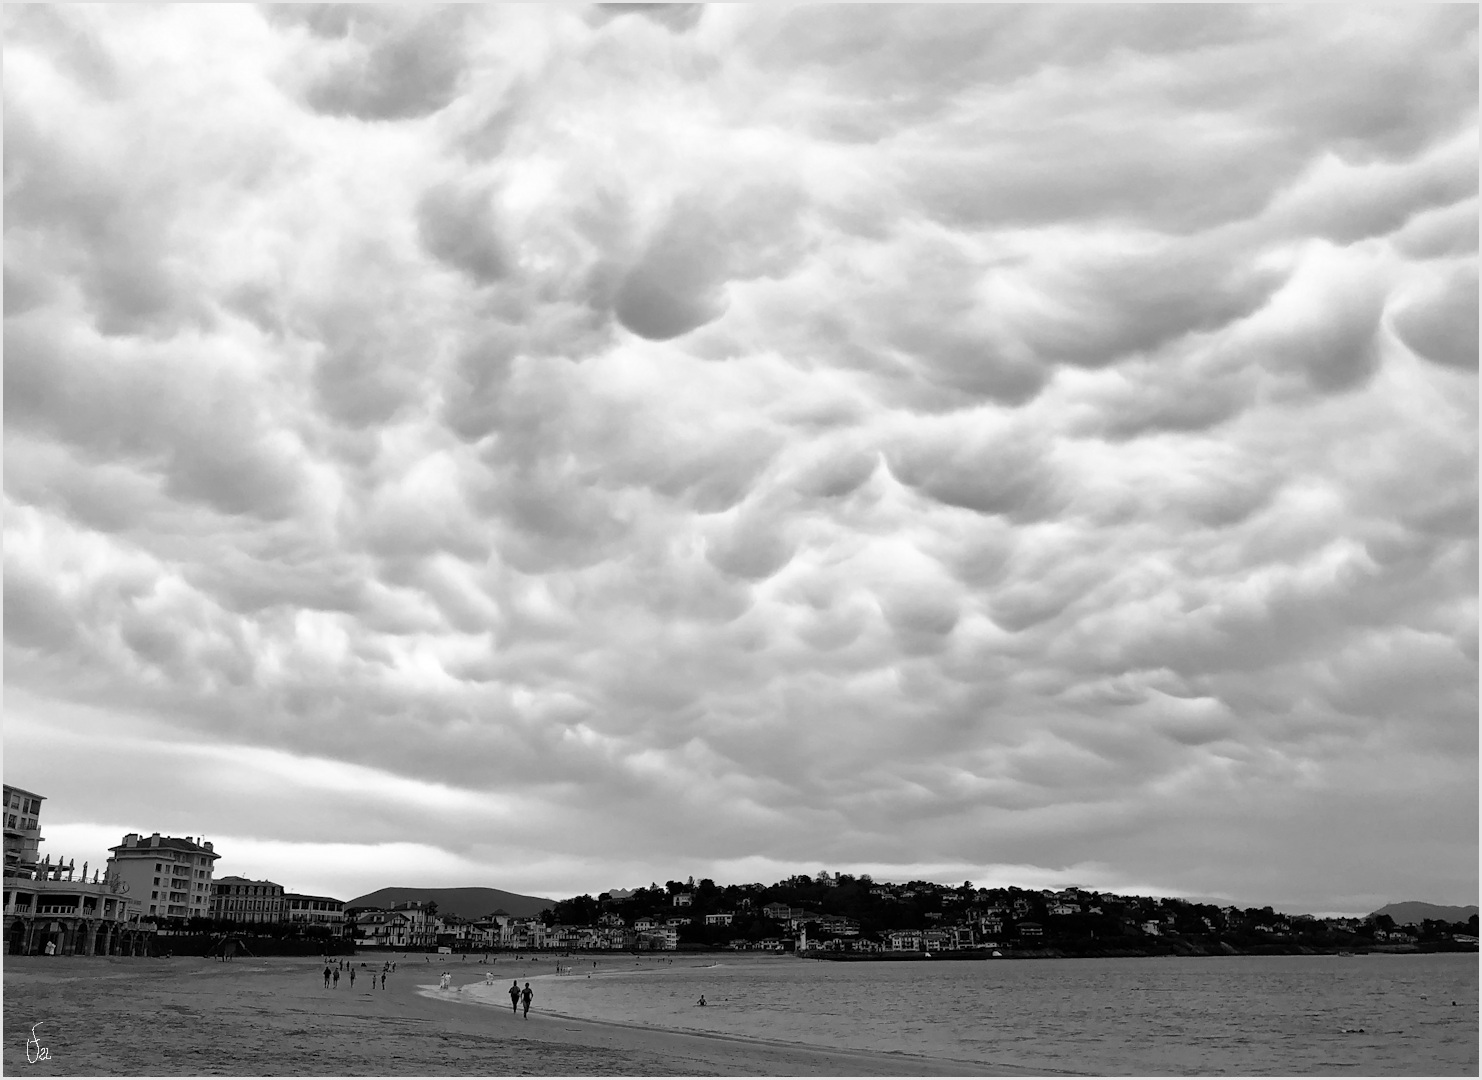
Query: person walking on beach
(352, 978)
(336, 978)
(326, 976)
(514, 996)
(526, 996)
(383, 980)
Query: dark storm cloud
(965, 441)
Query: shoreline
(189, 1016)
(930, 1066)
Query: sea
(1376, 1014)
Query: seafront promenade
(187, 1016)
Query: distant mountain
(1415, 911)
(470, 903)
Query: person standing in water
(526, 997)
(514, 996)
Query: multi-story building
(169, 875)
(22, 831)
(49, 912)
(314, 910)
(658, 940)
(377, 927)
(422, 922)
(241, 900)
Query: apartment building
(314, 910)
(169, 875)
(22, 831)
(242, 900)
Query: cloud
(388, 66)
(961, 442)
(1440, 323)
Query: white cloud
(731, 441)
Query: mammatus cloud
(565, 448)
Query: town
(160, 893)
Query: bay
(1275, 1015)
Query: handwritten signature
(34, 1050)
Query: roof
(233, 879)
(309, 896)
(23, 791)
(158, 843)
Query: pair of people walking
(518, 997)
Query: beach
(192, 1016)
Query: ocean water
(1277, 1015)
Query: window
(158, 867)
(156, 881)
(10, 821)
(154, 895)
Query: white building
(169, 875)
(314, 910)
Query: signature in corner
(34, 1050)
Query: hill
(1416, 911)
(472, 903)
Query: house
(780, 912)
(1031, 929)
(1152, 927)
(1064, 907)
(720, 918)
(645, 923)
(903, 940)
(938, 940)
(657, 940)
(683, 899)
(373, 926)
(838, 924)
(675, 921)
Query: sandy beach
(190, 1016)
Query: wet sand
(189, 1016)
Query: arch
(18, 938)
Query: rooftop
(155, 842)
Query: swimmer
(701, 1001)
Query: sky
(560, 448)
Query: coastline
(189, 1016)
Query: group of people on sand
(332, 971)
